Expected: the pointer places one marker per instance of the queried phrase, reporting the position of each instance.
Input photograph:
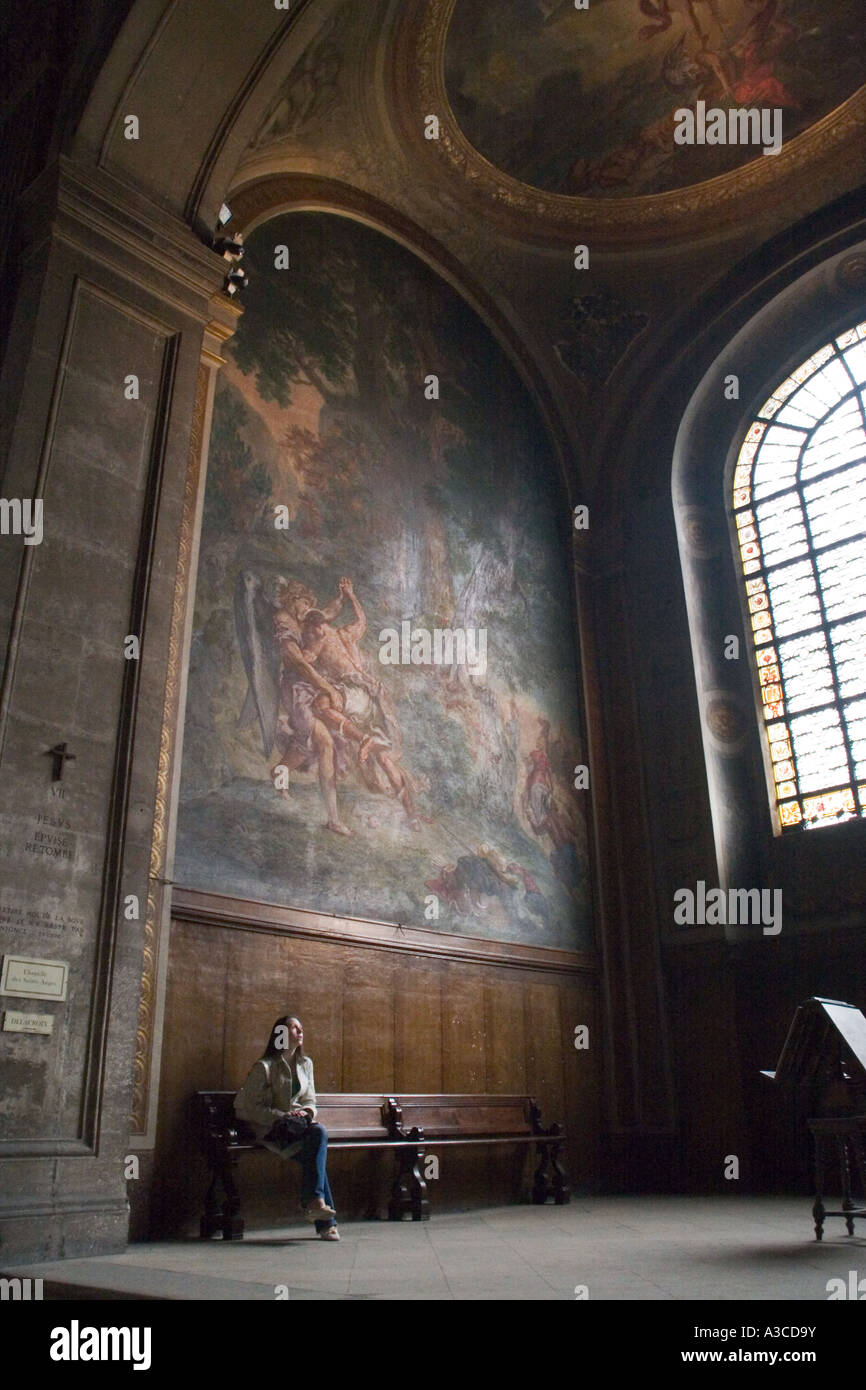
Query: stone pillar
(639, 1099)
(102, 389)
(158, 917)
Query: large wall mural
(583, 102)
(382, 717)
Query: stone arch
(771, 342)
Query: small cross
(60, 756)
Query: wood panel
(463, 1038)
(373, 1021)
(509, 1170)
(418, 1027)
(544, 1043)
(193, 1028)
(505, 1034)
(464, 1178)
(255, 996)
(315, 989)
(581, 1071)
(368, 1025)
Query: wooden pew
(407, 1124)
(436, 1122)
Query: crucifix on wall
(60, 756)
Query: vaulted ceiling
(553, 129)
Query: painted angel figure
(313, 696)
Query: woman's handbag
(288, 1129)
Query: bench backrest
(344, 1116)
(362, 1116)
(352, 1116)
(445, 1117)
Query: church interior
(433, 593)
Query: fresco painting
(582, 102)
(349, 497)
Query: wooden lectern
(825, 1051)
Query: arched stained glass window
(799, 501)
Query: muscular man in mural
(354, 704)
(301, 735)
(316, 702)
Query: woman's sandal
(318, 1213)
(330, 1234)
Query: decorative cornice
(536, 215)
(225, 913)
(109, 221)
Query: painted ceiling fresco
(583, 102)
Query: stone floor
(629, 1248)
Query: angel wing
(254, 622)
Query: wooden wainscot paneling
(193, 1041)
(383, 1009)
(582, 1071)
(218, 910)
(505, 1033)
(418, 1020)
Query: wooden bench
(383, 1122)
(436, 1122)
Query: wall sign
(28, 1023)
(28, 978)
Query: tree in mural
(241, 486)
(445, 501)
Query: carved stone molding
(217, 332)
(144, 1029)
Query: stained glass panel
(856, 360)
(799, 502)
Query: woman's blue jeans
(314, 1178)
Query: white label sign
(28, 1023)
(27, 978)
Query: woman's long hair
(282, 1023)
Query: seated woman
(278, 1102)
